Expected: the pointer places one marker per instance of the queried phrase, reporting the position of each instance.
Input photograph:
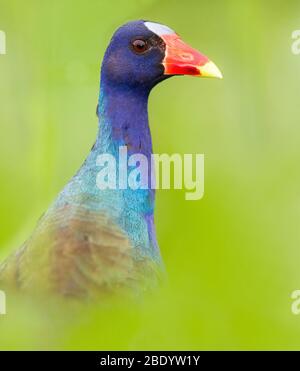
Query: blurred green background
(233, 258)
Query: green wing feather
(81, 253)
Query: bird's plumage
(75, 251)
(92, 242)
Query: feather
(79, 253)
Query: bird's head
(143, 53)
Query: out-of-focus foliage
(233, 257)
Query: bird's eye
(139, 46)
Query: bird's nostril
(187, 56)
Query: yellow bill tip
(209, 69)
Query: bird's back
(77, 252)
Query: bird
(91, 242)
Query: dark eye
(139, 46)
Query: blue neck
(123, 120)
